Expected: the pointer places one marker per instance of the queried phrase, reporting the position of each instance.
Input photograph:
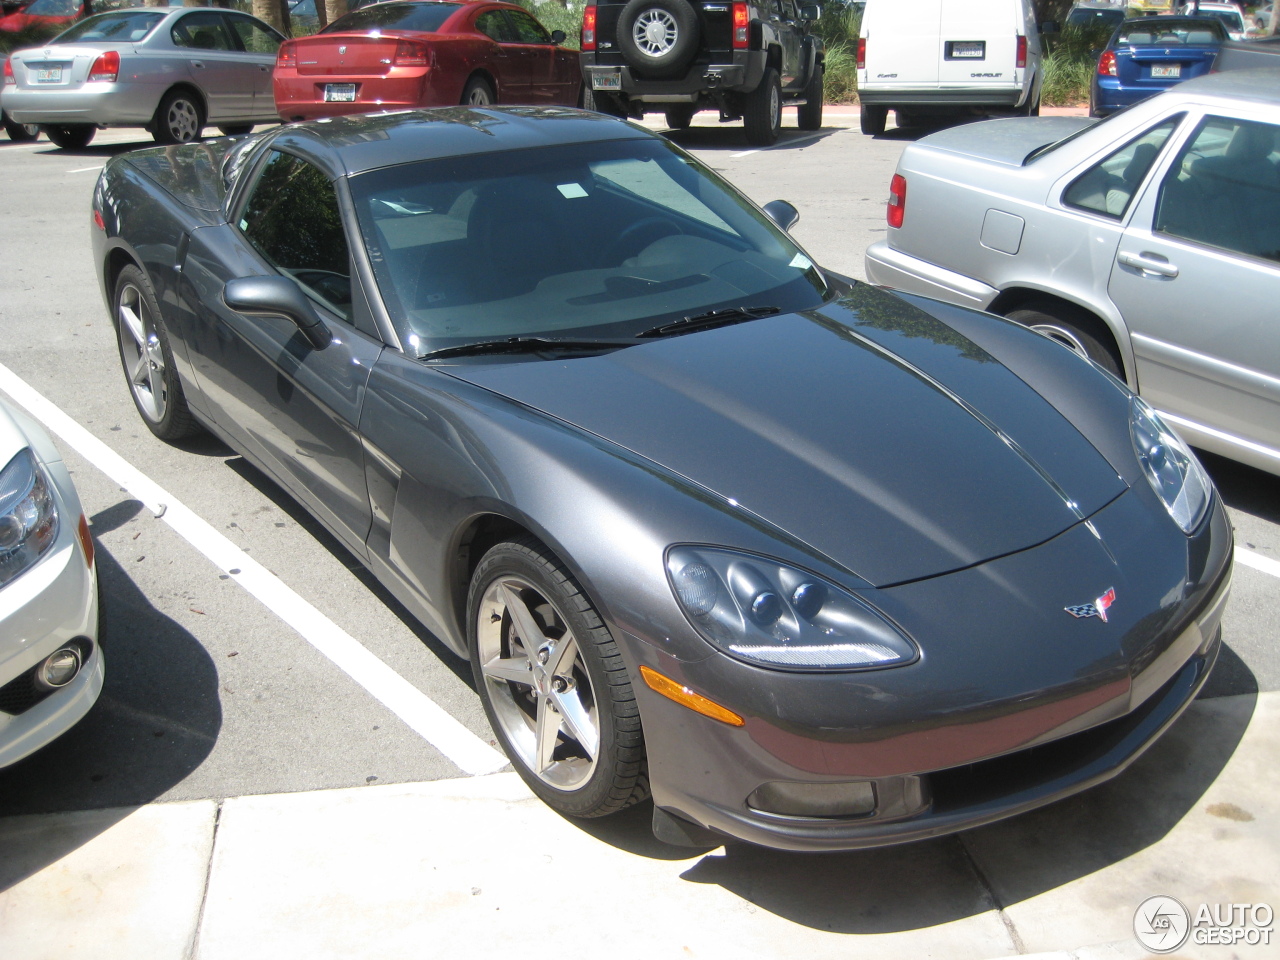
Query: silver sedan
(1149, 242)
(170, 70)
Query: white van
(933, 56)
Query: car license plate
(339, 92)
(1174, 70)
(972, 50)
(606, 80)
(48, 74)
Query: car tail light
(8, 72)
(1022, 52)
(1107, 64)
(741, 26)
(862, 53)
(897, 200)
(106, 67)
(287, 55)
(410, 54)
(589, 27)
(98, 221)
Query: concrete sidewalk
(475, 867)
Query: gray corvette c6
(818, 566)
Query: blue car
(1151, 54)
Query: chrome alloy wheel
(537, 683)
(479, 97)
(1061, 335)
(142, 353)
(182, 120)
(655, 32)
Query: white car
(51, 667)
(1230, 14)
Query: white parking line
(397, 694)
(790, 142)
(87, 169)
(1258, 561)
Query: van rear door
(901, 42)
(978, 45)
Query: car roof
(370, 141)
(1257, 86)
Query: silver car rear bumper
(133, 105)
(892, 268)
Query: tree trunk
(269, 12)
(333, 9)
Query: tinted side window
(494, 26)
(528, 30)
(254, 37)
(1224, 189)
(201, 31)
(1108, 187)
(292, 219)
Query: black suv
(745, 59)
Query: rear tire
(680, 115)
(809, 114)
(762, 111)
(1074, 328)
(1031, 108)
(873, 120)
(478, 93)
(21, 132)
(70, 136)
(178, 119)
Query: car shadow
(923, 884)
(1243, 487)
(157, 719)
(296, 512)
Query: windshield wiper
(703, 321)
(523, 345)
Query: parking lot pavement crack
(992, 898)
(193, 948)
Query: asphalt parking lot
(209, 693)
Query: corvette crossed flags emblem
(1097, 609)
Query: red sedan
(424, 53)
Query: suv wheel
(809, 115)
(658, 37)
(762, 111)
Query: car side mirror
(811, 12)
(558, 36)
(277, 297)
(784, 214)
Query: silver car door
(1197, 279)
(259, 44)
(215, 65)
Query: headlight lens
(28, 516)
(774, 615)
(1171, 468)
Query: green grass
(1067, 76)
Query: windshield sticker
(801, 262)
(571, 191)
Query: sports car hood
(1010, 140)
(868, 429)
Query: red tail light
(106, 67)
(287, 55)
(410, 54)
(1107, 64)
(862, 53)
(897, 200)
(589, 27)
(8, 72)
(1022, 52)
(741, 26)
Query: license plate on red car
(606, 80)
(339, 92)
(48, 74)
(1171, 70)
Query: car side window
(494, 26)
(528, 30)
(292, 219)
(201, 31)
(1224, 189)
(1108, 187)
(253, 37)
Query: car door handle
(1148, 263)
(198, 64)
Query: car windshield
(592, 240)
(1231, 19)
(424, 17)
(127, 26)
(1170, 31)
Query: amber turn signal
(86, 539)
(687, 698)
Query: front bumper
(939, 770)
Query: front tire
(553, 683)
(70, 136)
(762, 111)
(147, 359)
(809, 114)
(179, 118)
(1074, 328)
(478, 93)
(873, 120)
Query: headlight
(774, 615)
(1171, 468)
(28, 516)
